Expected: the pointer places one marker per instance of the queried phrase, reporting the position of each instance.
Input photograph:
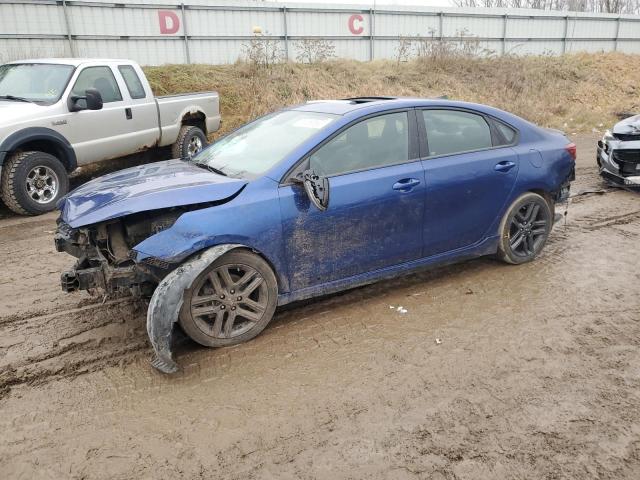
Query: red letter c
(352, 24)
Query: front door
(100, 134)
(376, 205)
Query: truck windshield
(34, 82)
(256, 147)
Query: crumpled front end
(106, 259)
(618, 153)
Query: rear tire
(231, 301)
(524, 229)
(33, 182)
(191, 141)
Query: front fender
(167, 301)
(42, 134)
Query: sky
(404, 3)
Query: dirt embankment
(536, 374)
(575, 93)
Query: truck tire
(33, 182)
(191, 141)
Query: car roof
(376, 104)
(71, 61)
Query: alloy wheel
(195, 146)
(229, 301)
(42, 184)
(528, 229)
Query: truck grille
(628, 161)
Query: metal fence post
(72, 47)
(441, 25)
(372, 29)
(286, 33)
(186, 35)
(504, 34)
(615, 45)
(566, 32)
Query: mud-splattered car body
(618, 153)
(143, 228)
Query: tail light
(571, 148)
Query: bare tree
(597, 6)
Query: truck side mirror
(317, 189)
(92, 100)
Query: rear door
(470, 170)
(376, 206)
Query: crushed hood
(172, 183)
(628, 126)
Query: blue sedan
(311, 200)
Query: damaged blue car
(311, 200)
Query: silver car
(619, 153)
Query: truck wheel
(524, 229)
(33, 182)
(231, 301)
(191, 141)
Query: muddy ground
(536, 373)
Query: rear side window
(507, 133)
(134, 85)
(452, 131)
(375, 142)
(100, 78)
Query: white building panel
(389, 25)
(535, 27)
(233, 23)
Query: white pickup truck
(58, 114)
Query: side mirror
(317, 189)
(92, 100)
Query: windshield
(36, 82)
(255, 148)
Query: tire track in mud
(39, 346)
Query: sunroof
(368, 99)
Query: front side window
(372, 143)
(134, 85)
(256, 147)
(452, 131)
(100, 78)
(34, 82)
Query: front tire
(524, 229)
(33, 182)
(190, 142)
(231, 301)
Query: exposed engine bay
(106, 259)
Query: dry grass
(575, 93)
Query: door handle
(406, 184)
(504, 166)
(128, 113)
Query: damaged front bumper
(96, 269)
(618, 159)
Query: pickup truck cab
(59, 114)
